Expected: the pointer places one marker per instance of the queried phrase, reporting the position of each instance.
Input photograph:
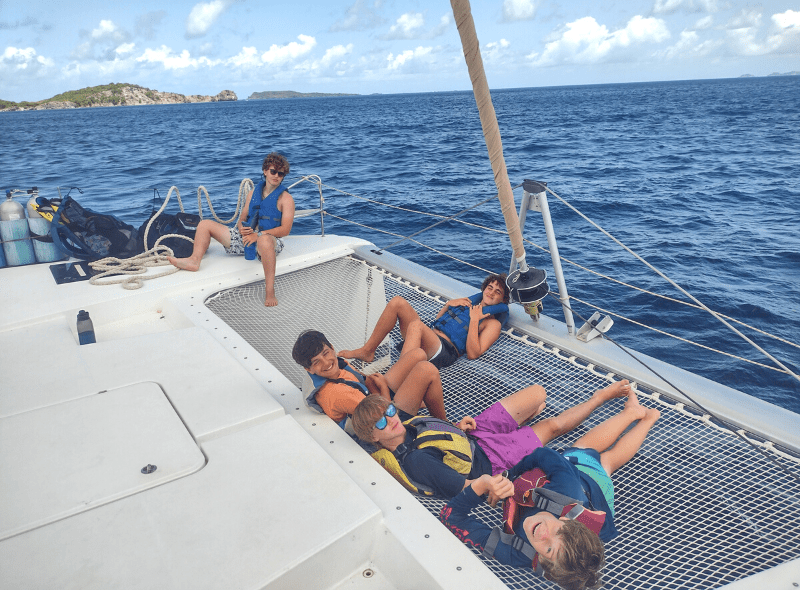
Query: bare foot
(184, 263)
(271, 300)
(361, 354)
(632, 406)
(616, 389)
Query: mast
(528, 285)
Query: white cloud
(689, 45)
(124, 48)
(106, 29)
(359, 17)
(444, 24)
(335, 54)
(586, 41)
(203, 16)
(746, 19)
(670, 6)
(25, 60)
(289, 52)
(106, 38)
(784, 37)
(408, 26)
(248, 56)
(494, 50)
(403, 59)
(516, 10)
(171, 61)
(787, 20)
(704, 23)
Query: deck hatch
(67, 458)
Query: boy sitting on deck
(550, 533)
(468, 325)
(266, 218)
(454, 457)
(338, 387)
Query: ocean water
(698, 177)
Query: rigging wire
(543, 249)
(687, 396)
(674, 284)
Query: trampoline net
(696, 507)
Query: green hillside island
(272, 94)
(109, 95)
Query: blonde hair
(579, 560)
(368, 411)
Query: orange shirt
(339, 400)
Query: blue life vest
(455, 321)
(311, 399)
(264, 209)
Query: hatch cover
(67, 458)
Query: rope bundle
(137, 266)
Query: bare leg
(266, 249)
(525, 403)
(423, 384)
(397, 310)
(400, 370)
(630, 443)
(606, 433)
(418, 335)
(206, 230)
(550, 428)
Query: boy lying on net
(438, 458)
(547, 528)
(338, 387)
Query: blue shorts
(237, 245)
(588, 462)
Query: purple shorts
(502, 439)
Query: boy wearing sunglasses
(338, 387)
(264, 221)
(496, 438)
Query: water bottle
(85, 328)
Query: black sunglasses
(280, 174)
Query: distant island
(273, 94)
(772, 74)
(112, 95)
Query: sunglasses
(276, 172)
(390, 411)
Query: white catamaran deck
(191, 374)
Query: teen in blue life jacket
(266, 218)
(464, 326)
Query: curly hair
(579, 560)
(501, 280)
(368, 411)
(277, 161)
(308, 345)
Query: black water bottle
(85, 328)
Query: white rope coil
(133, 268)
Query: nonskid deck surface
(696, 508)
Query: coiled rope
(135, 267)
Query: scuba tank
(43, 246)
(14, 233)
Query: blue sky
(366, 46)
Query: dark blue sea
(699, 177)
